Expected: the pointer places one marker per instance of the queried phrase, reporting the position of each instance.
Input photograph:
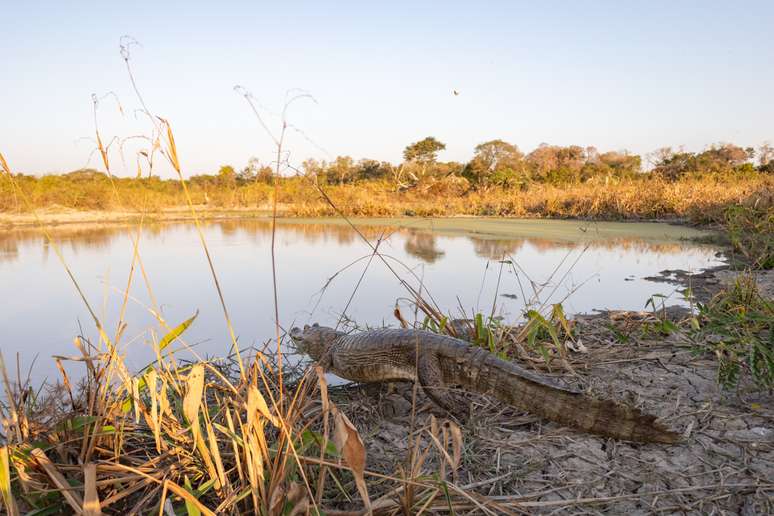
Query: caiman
(442, 363)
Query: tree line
(497, 163)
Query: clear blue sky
(617, 75)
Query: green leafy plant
(554, 330)
(737, 326)
(662, 324)
(622, 337)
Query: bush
(750, 228)
(737, 326)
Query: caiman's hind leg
(445, 396)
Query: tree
(370, 169)
(592, 154)
(424, 151)
(725, 155)
(722, 158)
(660, 156)
(423, 246)
(673, 165)
(543, 160)
(495, 162)
(312, 167)
(341, 171)
(621, 164)
(315, 170)
(264, 174)
(572, 157)
(766, 158)
(248, 173)
(227, 176)
(557, 164)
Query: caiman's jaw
(314, 340)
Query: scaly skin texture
(441, 363)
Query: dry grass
(699, 200)
(646, 198)
(199, 437)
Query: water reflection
(496, 249)
(423, 246)
(74, 237)
(419, 243)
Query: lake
(466, 263)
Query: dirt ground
(724, 464)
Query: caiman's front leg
(326, 360)
(431, 380)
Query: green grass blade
(177, 331)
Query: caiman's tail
(606, 417)
(520, 388)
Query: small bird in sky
(455, 92)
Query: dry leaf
(72, 497)
(193, 397)
(576, 346)
(323, 383)
(5, 483)
(351, 446)
(4, 164)
(182, 493)
(297, 497)
(103, 152)
(277, 501)
(91, 506)
(456, 439)
(150, 382)
(256, 404)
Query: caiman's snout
(297, 333)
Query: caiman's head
(314, 340)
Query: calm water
(587, 266)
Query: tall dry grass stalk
(162, 128)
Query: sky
(616, 75)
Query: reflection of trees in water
(495, 249)
(9, 247)
(422, 245)
(308, 232)
(75, 237)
